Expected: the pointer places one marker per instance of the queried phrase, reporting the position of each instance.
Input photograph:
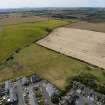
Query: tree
(86, 104)
(87, 79)
(55, 98)
(48, 30)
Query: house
(7, 85)
(69, 100)
(13, 95)
(25, 81)
(2, 91)
(51, 89)
(87, 92)
(35, 78)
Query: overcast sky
(51, 3)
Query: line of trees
(89, 80)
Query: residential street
(46, 96)
(20, 93)
(32, 96)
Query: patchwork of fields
(85, 45)
(24, 56)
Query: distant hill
(88, 14)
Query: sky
(51, 3)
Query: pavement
(20, 93)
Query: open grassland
(50, 65)
(16, 36)
(85, 45)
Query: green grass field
(55, 67)
(50, 65)
(17, 36)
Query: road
(46, 96)
(32, 96)
(20, 93)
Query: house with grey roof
(13, 95)
(35, 78)
(51, 89)
(7, 85)
(25, 81)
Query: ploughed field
(85, 45)
(98, 27)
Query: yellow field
(85, 45)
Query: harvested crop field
(98, 27)
(85, 45)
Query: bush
(90, 81)
(48, 30)
(87, 79)
(101, 88)
(55, 98)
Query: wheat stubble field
(85, 45)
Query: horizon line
(51, 7)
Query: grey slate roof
(25, 81)
(13, 94)
(7, 85)
(35, 78)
